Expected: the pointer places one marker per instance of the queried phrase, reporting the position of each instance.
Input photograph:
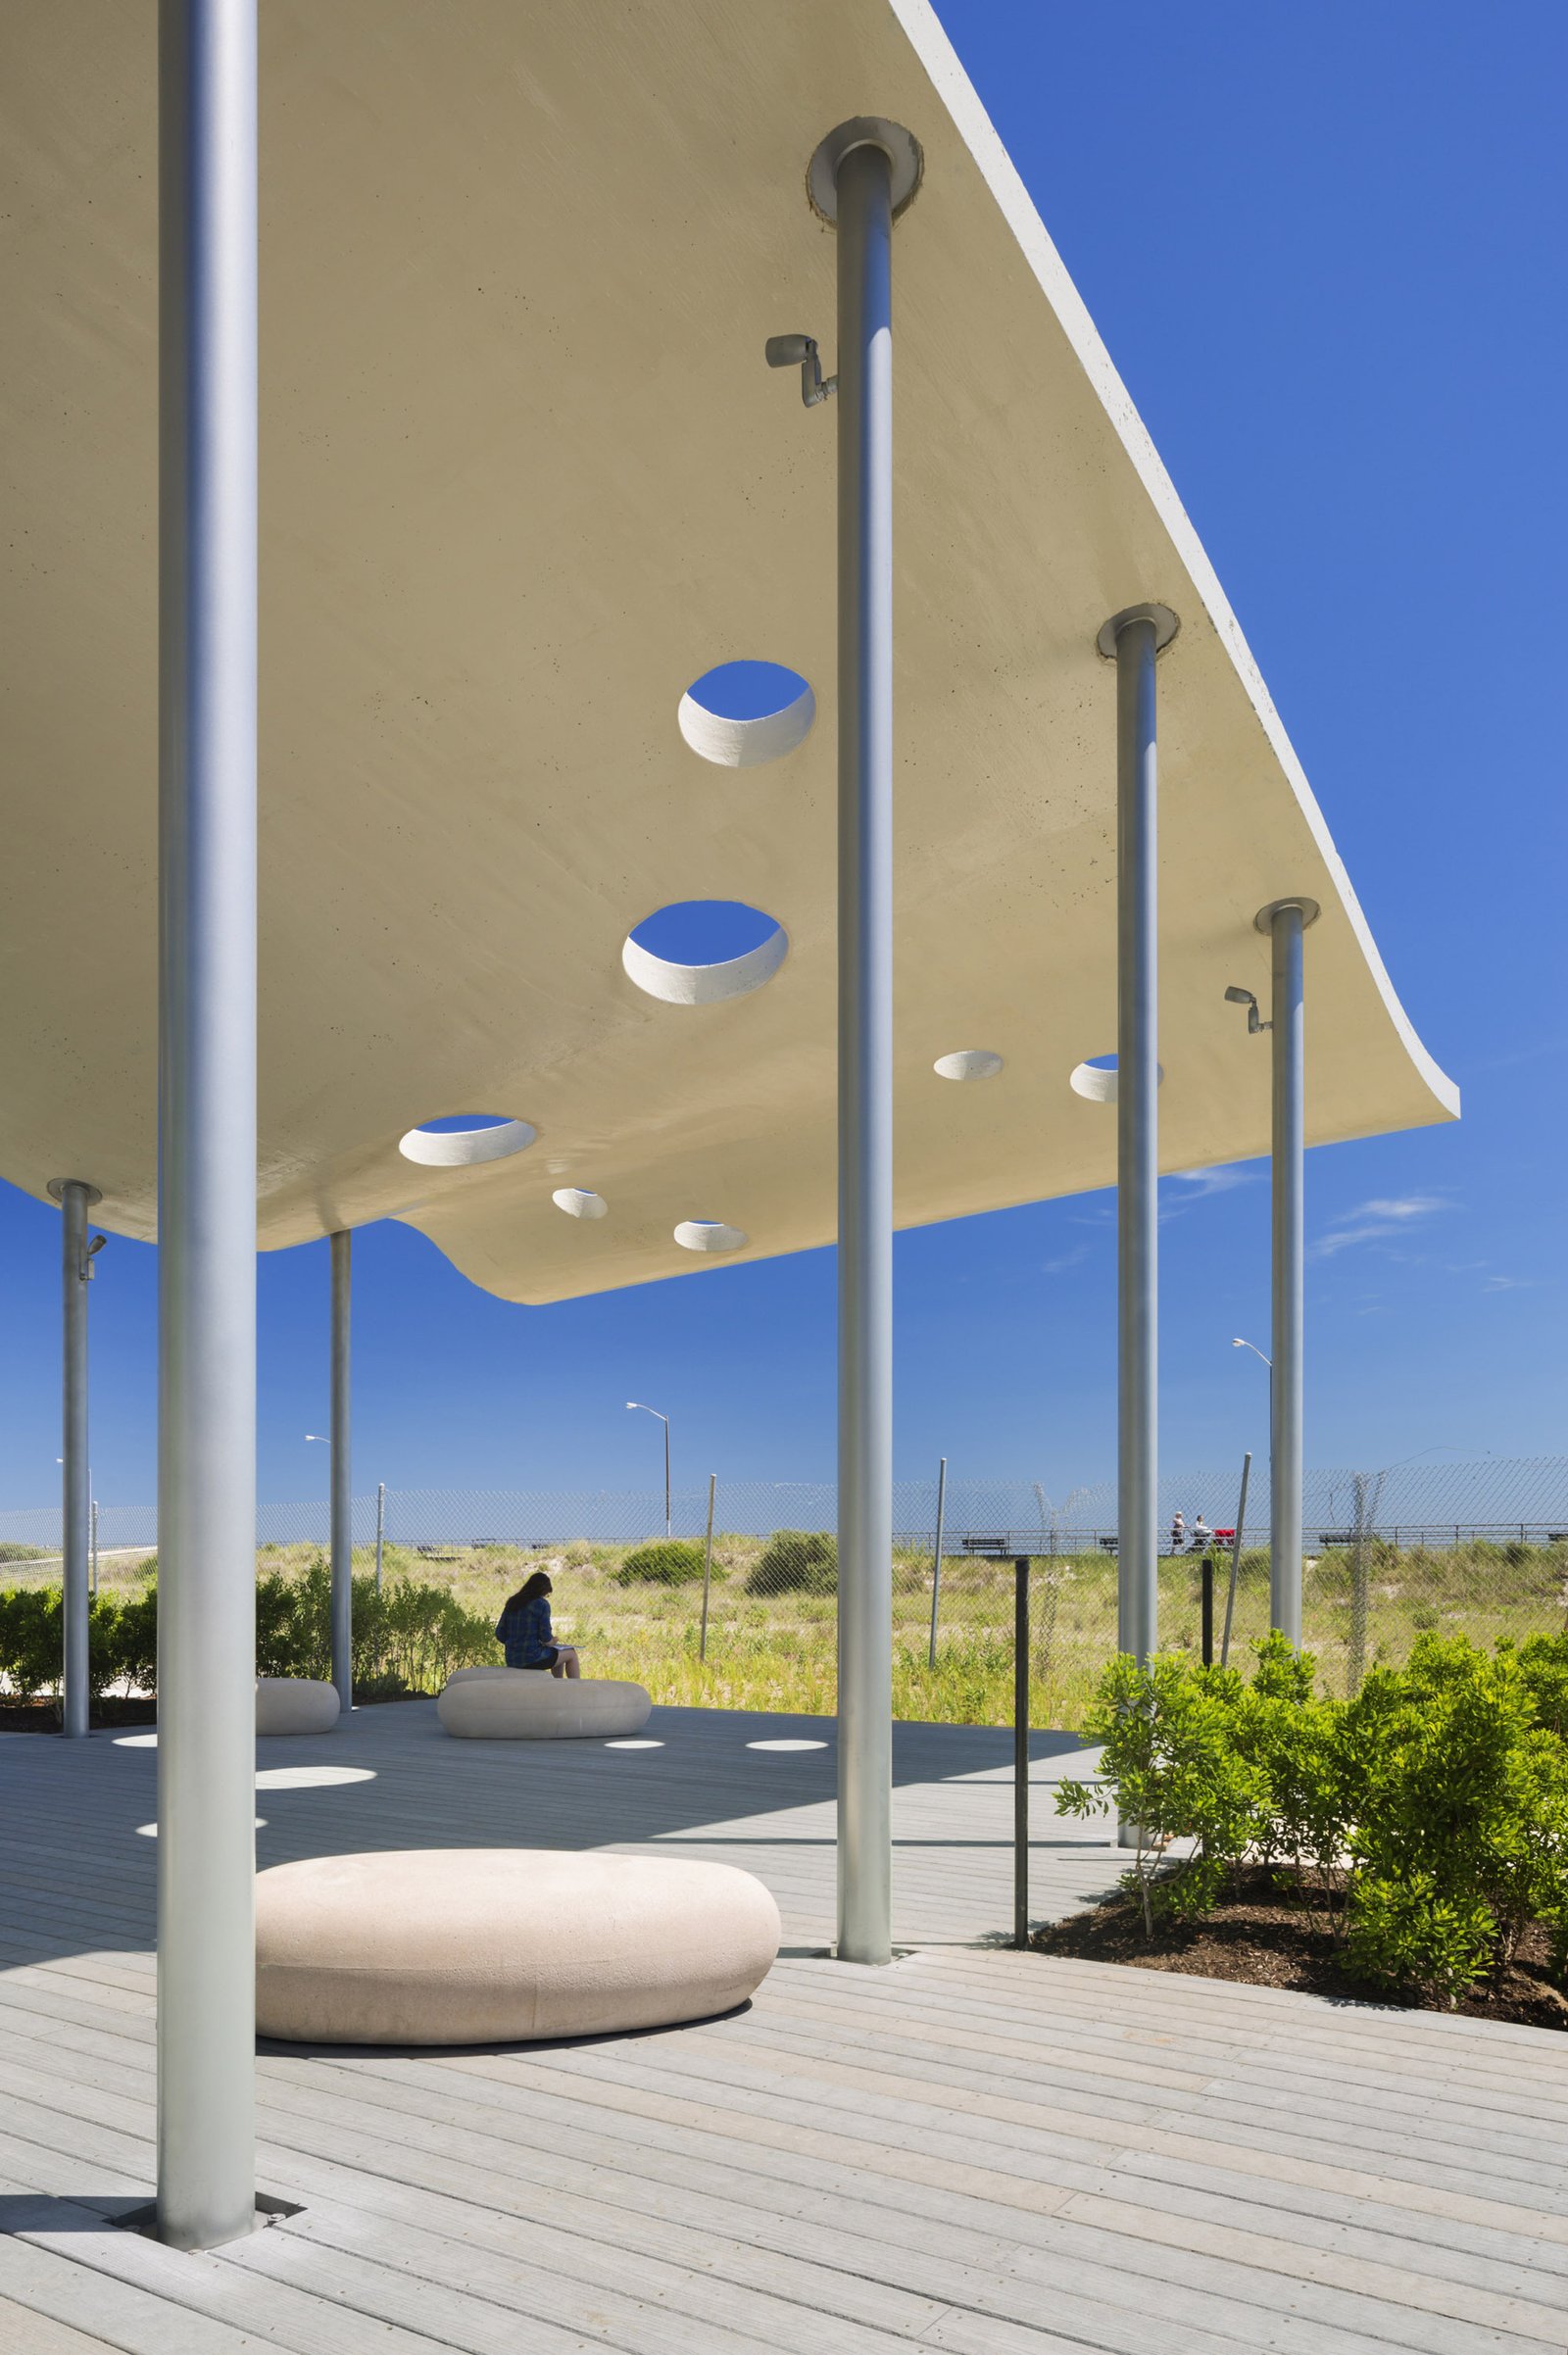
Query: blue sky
(1324, 247)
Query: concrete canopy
(524, 477)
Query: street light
(1239, 1343)
(636, 1406)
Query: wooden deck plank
(974, 2149)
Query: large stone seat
(522, 1704)
(502, 1945)
(295, 1704)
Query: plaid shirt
(525, 1630)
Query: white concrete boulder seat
(502, 1945)
(295, 1704)
(524, 1705)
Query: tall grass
(777, 1652)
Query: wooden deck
(975, 2151)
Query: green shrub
(31, 1658)
(1464, 1822)
(1436, 1801)
(408, 1639)
(667, 1562)
(796, 1561)
(1407, 1933)
(1172, 1766)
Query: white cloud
(1374, 1222)
(1073, 1258)
(1222, 1180)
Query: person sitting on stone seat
(524, 1628)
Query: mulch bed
(1269, 1931)
(43, 1716)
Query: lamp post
(636, 1406)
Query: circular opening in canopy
(698, 952)
(969, 1062)
(1096, 1079)
(710, 1235)
(579, 1203)
(459, 1140)
(739, 714)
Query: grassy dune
(777, 1651)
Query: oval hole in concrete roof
(460, 1140)
(969, 1062)
(739, 714)
(710, 1235)
(579, 1202)
(698, 952)
(1096, 1079)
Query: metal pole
(1134, 640)
(1206, 1609)
(380, 1529)
(1285, 922)
(668, 1526)
(1235, 1560)
(1355, 1667)
(708, 1563)
(95, 1546)
(341, 1428)
(864, 205)
(1020, 1752)
(935, 1558)
(207, 1125)
(76, 1479)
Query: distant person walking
(1202, 1536)
(1178, 1534)
(524, 1628)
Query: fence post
(1020, 1752)
(1355, 1666)
(380, 1528)
(1236, 1559)
(708, 1564)
(1206, 1609)
(935, 1558)
(94, 1545)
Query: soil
(112, 1712)
(43, 1716)
(1270, 1931)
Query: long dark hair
(538, 1583)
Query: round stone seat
(295, 1704)
(502, 1945)
(524, 1705)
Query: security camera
(799, 351)
(1240, 997)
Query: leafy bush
(31, 1638)
(796, 1561)
(1177, 1771)
(408, 1639)
(1435, 1803)
(667, 1562)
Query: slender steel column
(341, 1428)
(1134, 639)
(864, 187)
(76, 1518)
(1285, 921)
(207, 1122)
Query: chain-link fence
(729, 1594)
